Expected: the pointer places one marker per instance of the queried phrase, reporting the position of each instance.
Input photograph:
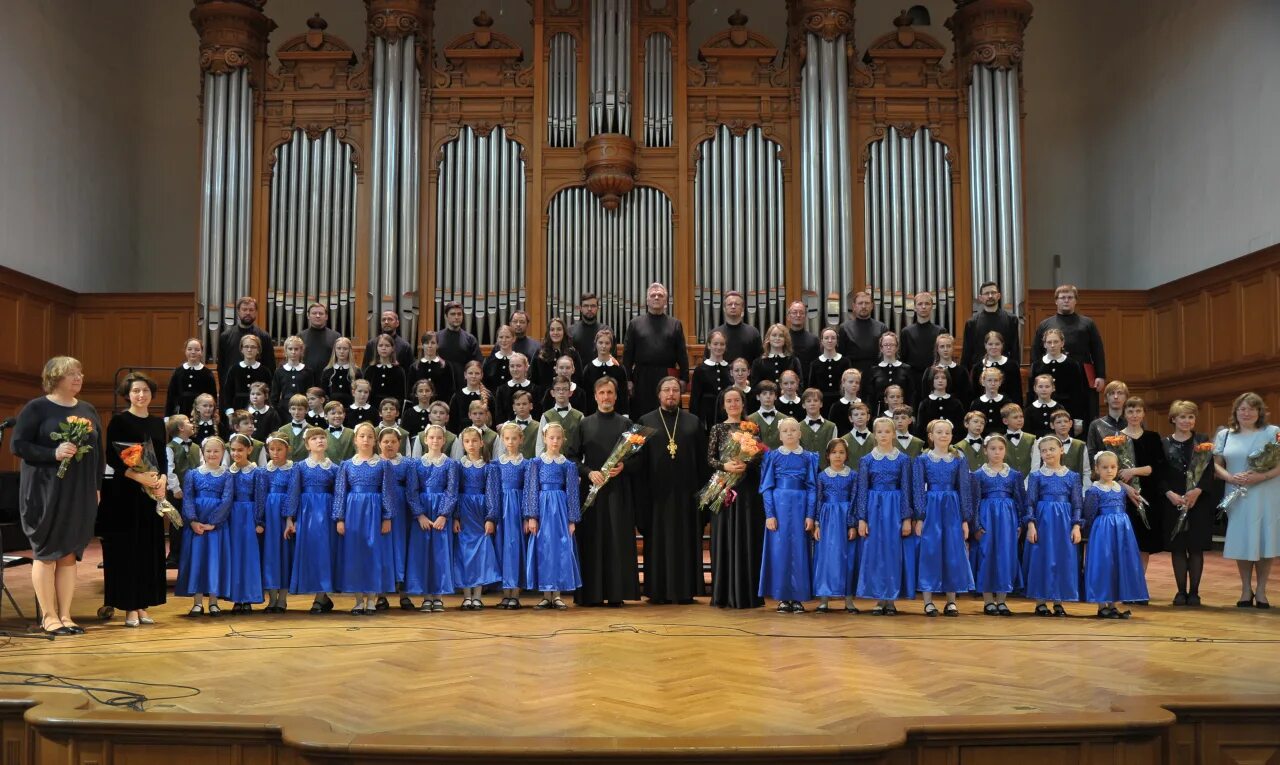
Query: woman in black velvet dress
(737, 531)
(1149, 465)
(1187, 547)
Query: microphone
(9, 422)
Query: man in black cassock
(229, 339)
(804, 344)
(317, 339)
(742, 341)
(919, 337)
(455, 345)
(860, 336)
(672, 467)
(654, 349)
(1083, 343)
(582, 333)
(989, 318)
(607, 533)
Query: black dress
(184, 385)
(385, 381)
(57, 513)
(709, 380)
(1010, 386)
(825, 375)
(542, 369)
(771, 368)
(438, 372)
(1198, 535)
(666, 491)
(737, 533)
(235, 388)
(607, 534)
(883, 375)
(132, 534)
(337, 383)
(288, 382)
(1070, 388)
(1148, 449)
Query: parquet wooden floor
(652, 671)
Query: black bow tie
(335, 431)
(299, 425)
(814, 422)
(562, 411)
(522, 423)
(1014, 436)
(186, 443)
(904, 436)
(863, 435)
(767, 415)
(974, 441)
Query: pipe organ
(612, 152)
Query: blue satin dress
(788, 487)
(244, 557)
(429, 562)
(278, 494)
(475, 560)
(835, 556)
(551, 497)
(507, 494)
(943, 499)
(206, 497)
(1051, 566)
(1113, 566)
(883, 501)
(362, 501)
(316, 549)
(1000, 502)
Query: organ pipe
(615, 254)
(658, 119)
(610, 46)
(996, 180)
(562, 89)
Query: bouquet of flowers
(73, 430)
(628, 444)
(140, 458)
(1201, 456)
(1123, 447)
(742, 446)
(1264, 458)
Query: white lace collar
(359, 407)
(609, 362)
(936, 397)
(255, 365)
(471, 392)
(1050, 404)
(824, 357)
(292, 367)
(326, 463)
(192, 367)
(263, 410)
(785, 400)
(370, 460)
(947, 365)
(986, 362)
(895, 364)
(1002, 472)
(341, 367)
(500, 356)
(984, 399)
(205, 469)
(877, 455)
(775, 355)
(383, 366)
(832, 474)
(745, 388)
(272, 467)
(418, 408)
(513, 384)
(427, 459)
(426, 360)
(547, 459)
(248, 468)
(950, 456)
(785, 450)
(710, 363)
(848, 401)
(205, 424)
(1116, 488)
(1061, 471)
(466, 462)
(1051, 360)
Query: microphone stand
(30, 631)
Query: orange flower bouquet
(74, 430)
(628, 444)
(1123, 447)
(742, 445)
(1201, 456)
(141, 458)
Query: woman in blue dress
(787, 480)
(362, 513)
(835, 550)
(944, 515)
(244, 558)
(1253, 523)
(475, 560)
(316, 539)
(998, 490)
(1050, 560)
(278, 491)
(429, 562)
(1113, 568)
(206, 503)
(552, 512)
(395, 546)
(883, 507)
(506, 496)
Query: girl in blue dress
(396, 544)
(835, 550)
(278, 491)
(317, 540)
(244, 559)
(206, 503)
(475, 561)
(944, 514)
(787, 480)
(552, 512)
(1113, 568)
(433, 492)
(362, 512)
(1050, 563)
(883, 507)
(999, 493)
(506, 497)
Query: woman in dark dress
(133, 570)
(1149, 465)
(737, 531)
(189, 380)
(1188, 546)
(555, 343)
(57, 513)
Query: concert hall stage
(642, 678)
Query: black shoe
(559, 604)
(784, 607)
(991, 609)
(878, 611)
(1180, 599)
(1248, 603)
(215, 611)
(1003, 609)
(317, 608)
(951, 609)
(891, 610)
(930, 610)
(406, 604)
(514, 605)
(327, 605)
(196, 611)
(542, 605)
(1105, 612)
(382, 604)
(822, 609)
(1193, 600)
(851, 610)
(614, 604)
(1043, 610)
(1261, 603)
(1058, 610)
(797, 607)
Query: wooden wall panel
(1224, 308)
(1166, 339)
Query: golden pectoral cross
(671, 447)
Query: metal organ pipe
(657, 90)
(562, 104)
(610, 46)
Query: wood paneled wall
(105, 331)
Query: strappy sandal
(514, 605)
(797, 607)
(406, 604)
(930, 610)
(891, 610)
(991, 609)
(878, 611)
(466, 604)
(951, 609)
(437, 606)
(542, 605)
(1043, 610)
(1058, 610)
(215, 611)
(425, 607)
(851, 610)
(1003, 609)
(784, 607)
(1104, 612)
(822, 609)
(559, 604)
